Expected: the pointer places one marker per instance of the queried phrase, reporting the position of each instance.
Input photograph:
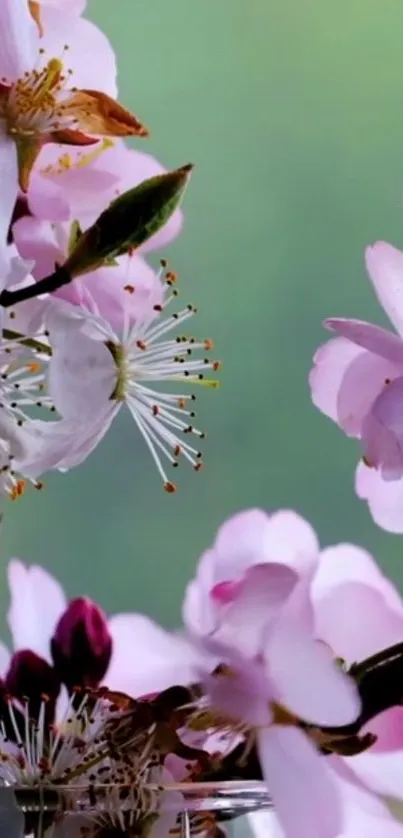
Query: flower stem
(47, 285)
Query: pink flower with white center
(77, 184)
(357, 381)
(94, 371)
(338, 580)
(47, 97)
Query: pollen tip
(129, 288)
(198, 467)
(170, 487)
(208, 344)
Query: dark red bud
(30, 677)
(81, 645)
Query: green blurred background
(293, 113)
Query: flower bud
(81, 645)
(30, 677)
(129, 221)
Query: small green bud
(129, 221)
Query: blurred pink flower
(250, 605)
(249, 546)
(357, 380)
(285, 613)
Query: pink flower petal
(77, 356)
(5, 658)
(243, 695)
(72, 182)
(253, 537)
(346, 563)
(345, 380)
(364, 813)
(45, 198)
(107, 287)
(58, 7)
(380, 772)
(147, 659)
(83, 39)
(37, 603)
(384, 497)
(382, 431)
(61, 444)
(385, 268)
(258, 599)
(368, 623)
(199, 611)
(37, 240)
(247, 539)
(19, 41)
(306, 799)
(374, 338)
(388, 728)
(295, 663)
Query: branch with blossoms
(283, 690)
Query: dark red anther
(81, 645)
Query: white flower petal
(19, 42)
(298, 779)
(146, 658)
(37, 603)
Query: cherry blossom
(343, 579)
(357, 381)
(48, 94)
(94, 370)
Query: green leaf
(129, 221)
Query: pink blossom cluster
(263, 638)
(288, 669)
(110, 336)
